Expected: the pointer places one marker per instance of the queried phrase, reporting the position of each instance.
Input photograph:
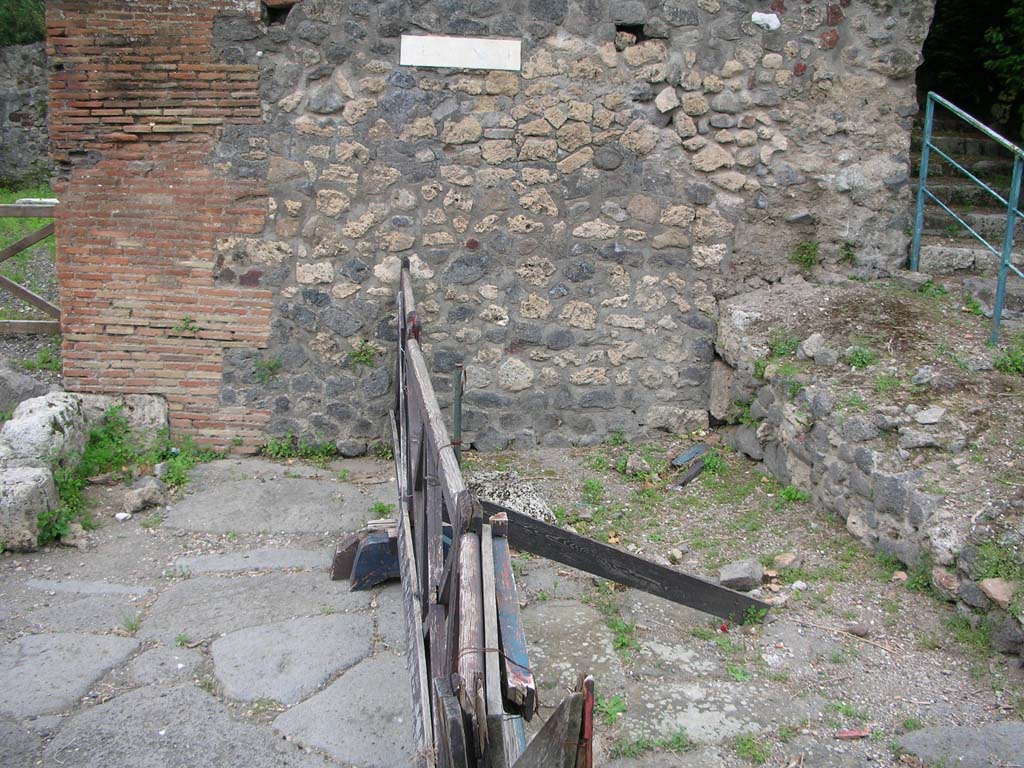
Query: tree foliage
(1005, 60)
(22, 21)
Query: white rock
(122, 517)
(767, 21)
(932, 415)
(25, 492)
(44, 428)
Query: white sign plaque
(461, 52)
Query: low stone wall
(24, 135)
(861, 461)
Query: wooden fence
(28, 209)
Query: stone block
(25, 493)
(744, 575)
(44, 429)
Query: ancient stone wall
(571, 227)
(24, 154)
(137, 100)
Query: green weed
(181, 640)
(616, 438)
(848, 252)
(131, 622)
(933, 290)
(267, 369)
(364, 354)
(912, 724)
(624, 640)
(593, 491)
(782, 343)
(1011, 360)
(752, 749)
(185, 325)
(380, 510)
(805, 255)
(861, 357)
(47, 359)
(610, 709)
(676, 742)
(887, 382)
(973, 306)
(793, 495)
(383, 451)
(318, 453)
(714, 464)
(739, 674)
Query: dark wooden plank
(28, 297)
(344, 556)
(557, 743)
(30, 326)
(25, 211)
(538, 538)
(452, 748)
(26, 242)
(520, 688)
(416, 662)
(421, 388)
(434, 523)
(585, 755)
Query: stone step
(988, 223)
(941, 256)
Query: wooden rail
(467, 657)
(28, 210)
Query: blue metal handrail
(1012, 203)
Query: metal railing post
(915, 248)
(1004, 264)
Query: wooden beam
(549, 541)
(520, 688)
(15, 211)
(30, 298)
(416, 662)
(492, 665)
(26, 242)
(48, 327)
(557, 743)
(469, 661)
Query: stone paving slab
(576, 640)
(262, 559)
(86, 587)
(95, 613)
(289, 660)
(391, 617)
(250, 496)
(983, 746)
(209, 606)
(164, 665)
(50, 673)
(19, 747)
(364, 718)
(177, 727)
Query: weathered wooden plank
(469, 662)
(32, 211)
(453, 750)
(422, 389)
(520, 688)
(28, 297)
(492, 664)
(434, 522)
(30, 326)
(344, 556)
(515, 738)
(416, 662)
(549, 541)
(557, 743)
(585, 755)
(26, 242)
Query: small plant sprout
(364, 353)
(185, 325)
(610, 709)
(267, 369)
(805, 255)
